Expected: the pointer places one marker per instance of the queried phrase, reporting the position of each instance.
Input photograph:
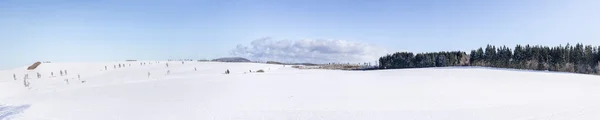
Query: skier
(148, 75)
(15, 76)
(65, 72)
(119, 65)
(79, 77)
(195, 69)
(39, 75)
(167, 64)
(61, 73)
(67, 80)
(182, 62)
(105, 68)
(26, 83)
(115, 66)
(227, 71)
(51, 74)
(168, 72)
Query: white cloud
(313, 51)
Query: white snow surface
(284, 93)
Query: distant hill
(232, 59)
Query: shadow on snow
(7, 112)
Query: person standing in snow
(115, 66)
(15, 76)
(227, 71)
(79, 77)
(148, 75)
(51, 74)
(39, 75)
(105, 68)
(167, 64)
(61, 73)
(66, 72)
(26, 83)
(195, 69)
(119, 65)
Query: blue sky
(109, 30)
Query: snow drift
(200, 90)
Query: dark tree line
(436, 59)
(568, 58)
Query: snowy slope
(287, 93)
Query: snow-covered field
(283, 93)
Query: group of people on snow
(26, 78)
(65, 73)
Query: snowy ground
(287, 93)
